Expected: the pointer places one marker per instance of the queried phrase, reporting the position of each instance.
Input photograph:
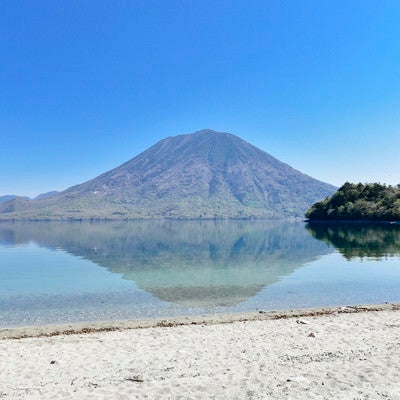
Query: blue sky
(87, 85)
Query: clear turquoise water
(68, 272)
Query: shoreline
(79, 328)
(353, 221)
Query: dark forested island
(357, 201)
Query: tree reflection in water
(359, 240)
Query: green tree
(370, 201)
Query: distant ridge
(205, 174)
(47, 194)
(8, 197)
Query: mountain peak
(206, 130)
(210, 132)
(205, 134)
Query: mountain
(206, 174)
(8, 197)
(47, 194)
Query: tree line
(357, 201)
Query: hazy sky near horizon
(87, 85)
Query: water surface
(64, 272)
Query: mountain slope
(206, 174)
(8, 197)
(47, 194)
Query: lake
(58, 272)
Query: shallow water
(68, 272)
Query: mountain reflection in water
(359, 240)
(191, 263)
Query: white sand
(352, 356)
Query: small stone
(312, 334)
(298, 379)
(135, 378)
(52, 362)
(302, 321)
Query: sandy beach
(338, 353)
